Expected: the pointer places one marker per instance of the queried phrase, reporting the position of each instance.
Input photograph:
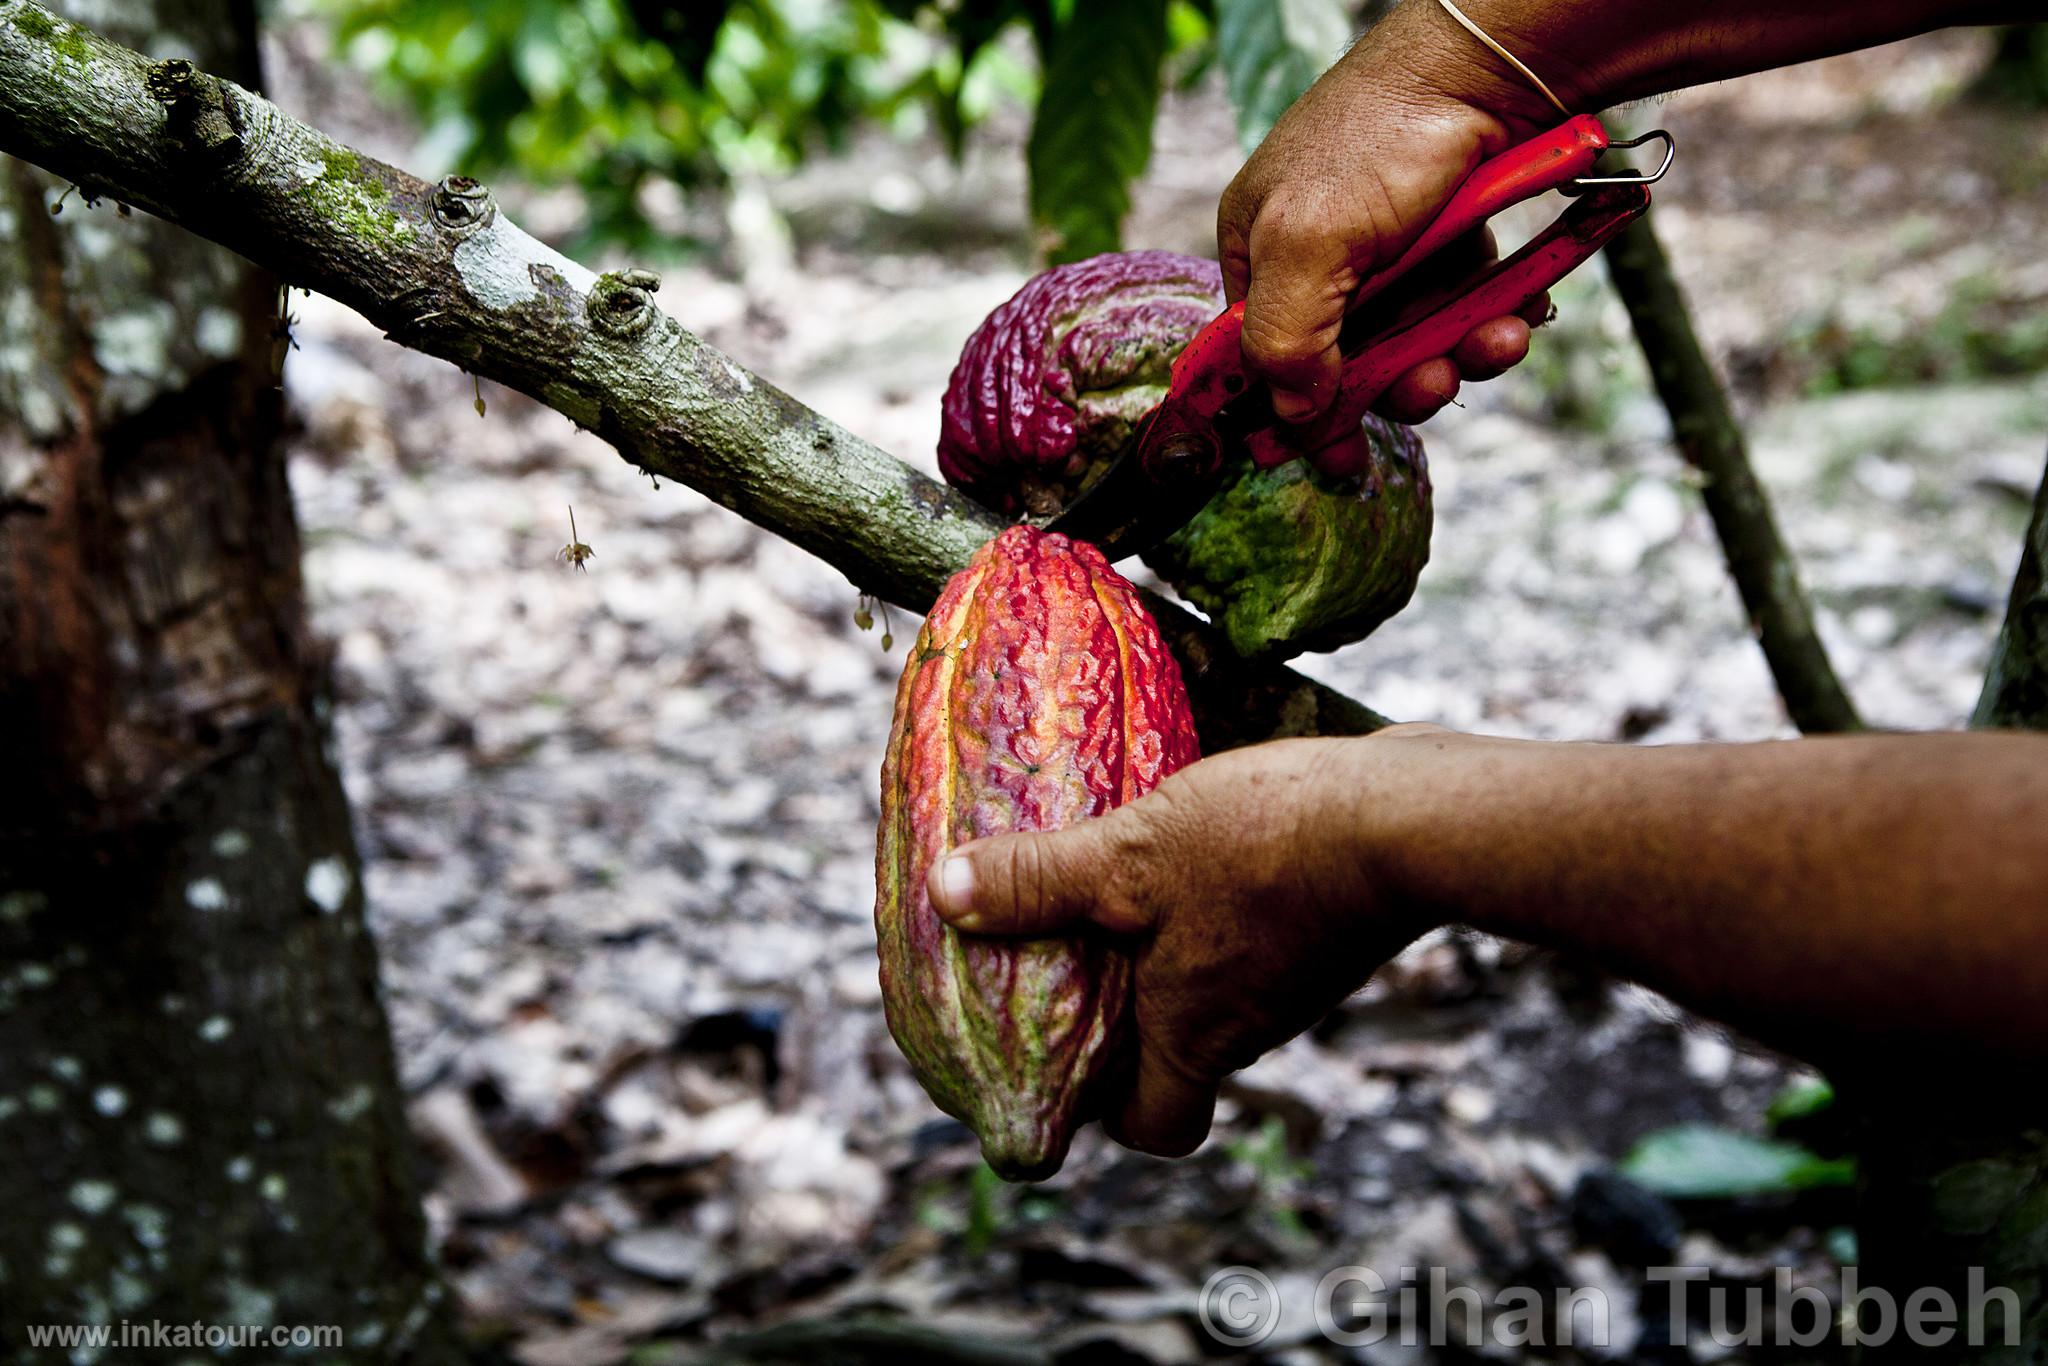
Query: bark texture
(199, 1115)
(442, 271)
(1712, 443)
(2016, 683)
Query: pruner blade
(1130, 508)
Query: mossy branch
(1712, 443)
(441, 270)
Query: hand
(1349, 177)
(1243, 883)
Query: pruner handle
(1434, 327)
(1209, 375)
(1548, 161)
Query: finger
(1492, 348)
(1233, 252)
(1237, 273)
(1421, 393)
(1301, 278)
(1167, 1113)
(1236, 211)
(1346, 457)
(1027, 884)
(1470, 252)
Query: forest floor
(618, 825)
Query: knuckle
(1235, 212)
(1283, 342)
(1131, 889)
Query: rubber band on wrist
(1483, 36)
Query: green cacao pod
(1294, 558)
(1038, 694)
(1049, 389)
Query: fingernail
(1291, 407)
(952, 887)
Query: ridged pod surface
(1054, 380)
(1049, 390)
(1293, 558)
(1038, 694)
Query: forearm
(1834, 898)
(1607, 51)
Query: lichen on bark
(199, 1116)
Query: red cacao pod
(1038, 694)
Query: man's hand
(1365, 160)
(1251, 912)
(1347, 179)
(1866, 902)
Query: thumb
(1025, 884)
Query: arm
(1364, 160)
(1869, 898)
(1836, 898)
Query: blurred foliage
(1801, 1100)
(1981, 332)
(978, 1207)
(1281, 1179)
(985, 1218)
(2018, 73)
(611, 95)
(1092, 135)
(1697, 1161)
(1701, 1162)
(619, 96)
(1271, 50)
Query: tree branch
(441, 270)
(2016, 683)
(1712, 443)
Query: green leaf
(1808, 1096)
(1092, 135)
(1272, 51)
(1696, 1161)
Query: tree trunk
(199, 1115)
(1707, 435)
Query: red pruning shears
(1213, 406)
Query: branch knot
(622, 305)
(201, 110)
(462, 206)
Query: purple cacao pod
(1051, 384)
